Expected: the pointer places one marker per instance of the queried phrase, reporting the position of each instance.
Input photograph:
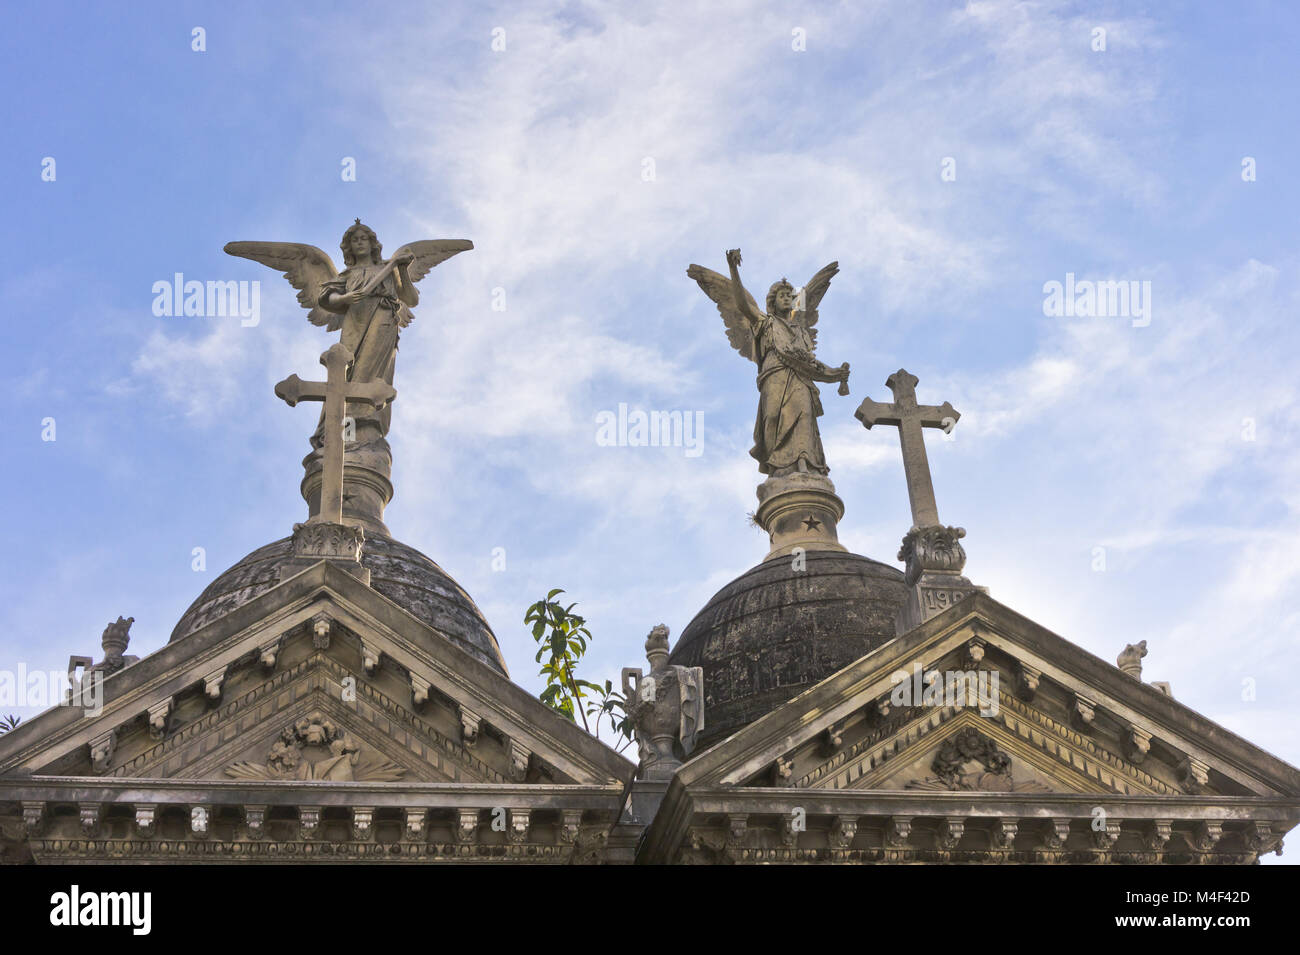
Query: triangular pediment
(320, 677)
(1048, 717)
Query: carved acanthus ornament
(1027, 680)
(897, 831)
(322, 625)
(1194, 775)
(1104, 837)
(90, 814)
(467, 826)
(737, 829)
(469, 726)
(269, 652)
(1158, 834)
(102, 749)
(1264, 838)
(309, 821)
(934, 549)
(363, 819)
(414, 828)
(420, 688)
(255, 820)
(520, 756)
(158, 714)
(1082, 712)
(1137, 744)
(1056, 833)
(520, 823)
(33, 817)
(570, 825)
(212, 684)
(1004, 833)
(842, 832)
(951, 829)
(145, 821)
(326, 541)
(1206, 835)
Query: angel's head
(780, 298)
(360, 244)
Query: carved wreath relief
(316, 747)
(969, 760)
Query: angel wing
(812, 297)
(247, 770)
(428, 253)
(306, 267)
(718, 288)
(690, 685)
(372, 767)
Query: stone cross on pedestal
(932, 553)
(909, 417)
(324, 535)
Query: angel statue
(370, 300)
(782, 342)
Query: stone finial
(656, 647)
(117, 635)
(1130, 661)
(665, 707)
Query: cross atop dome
(932, 553)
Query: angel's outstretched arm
(742, 297)
(406, 290)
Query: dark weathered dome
(775, 631)
(400, 573)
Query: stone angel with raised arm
(369, 301)
(782, 342)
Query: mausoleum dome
(775, 631)
(401, 573)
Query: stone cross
(336, 391)
(910, 418)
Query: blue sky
(1077, 433)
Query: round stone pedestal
(799, 510)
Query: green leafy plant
(9, 722)
(563, 638)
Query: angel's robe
(370, 329)
(788, 402)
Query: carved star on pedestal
(811, 523)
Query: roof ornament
(797, 504)
(666, 708)
(932, 553)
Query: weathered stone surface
(775, 631)
(400, 573)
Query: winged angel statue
(370, 300)
(782, 342)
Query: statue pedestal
(643, 800)
(367, 480)
(934, 559)
(799, 510)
